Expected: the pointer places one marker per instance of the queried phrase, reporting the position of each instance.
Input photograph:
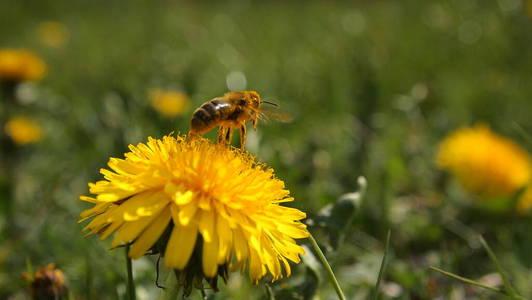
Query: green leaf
(338, 216)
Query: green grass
(374, 86)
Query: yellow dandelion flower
(47, 283)
(484, 162)
(20, 65)
(52, 34)
(168, 103)
(216, 206)
(23, 131)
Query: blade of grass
(466, 280)
(382, 270)
(508, 288)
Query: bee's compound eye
(242, 102)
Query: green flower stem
(130, 282)
(327, 267)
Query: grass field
(374, 87)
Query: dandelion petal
(150, 235)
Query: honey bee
(232, 111)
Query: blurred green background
(374, 86)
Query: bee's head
(247, 99)
(254, 99)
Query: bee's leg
(191, 134)
(221, 134)
(228, 135)
(242, 136)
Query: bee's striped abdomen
(207, 116)
(210, 108)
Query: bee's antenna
(271, 103)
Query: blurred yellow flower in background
(47, 283)
(23, 130)
(222, 207)
(168, 103)
(18, 65)
(52, 34)
(485, 163)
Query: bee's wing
(269, 114)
